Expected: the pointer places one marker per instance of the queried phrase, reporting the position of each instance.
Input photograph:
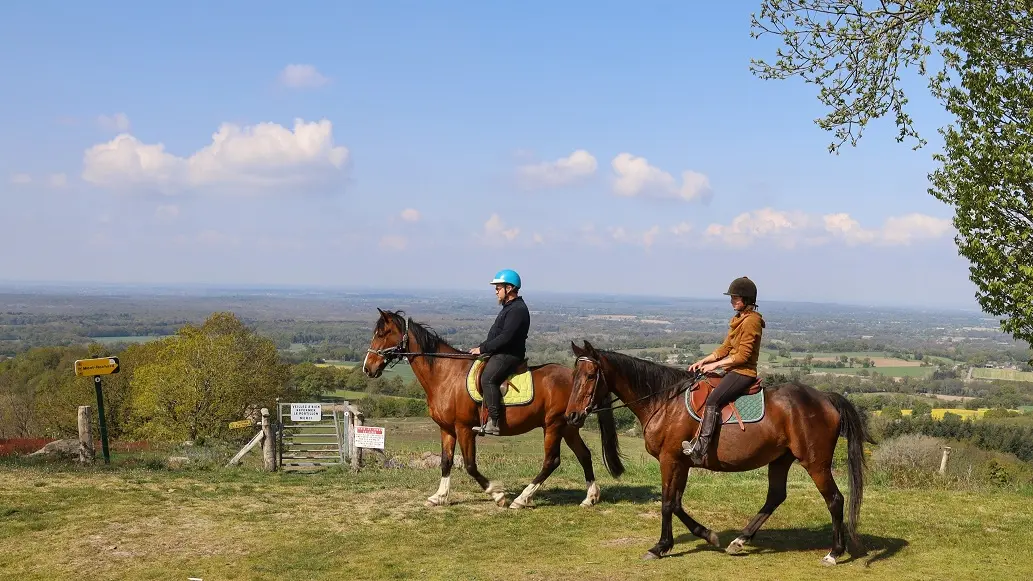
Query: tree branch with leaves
(855, 51)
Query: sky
(601, 146)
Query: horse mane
(653, 376)
(426, 337)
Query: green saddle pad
(751, 408)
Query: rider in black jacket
(506, 344)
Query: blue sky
(594, 146)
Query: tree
(855, 55)
(204, 377)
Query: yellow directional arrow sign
(98, 366)
(240, 424)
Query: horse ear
(589, 348)
(383, 315)
(577, 350)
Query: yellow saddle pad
(520, 389)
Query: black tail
(854, 427)
(611, 447)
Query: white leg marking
(828, 560)
(498, 494)
(593, 494)
(526, 498)
(441, 496)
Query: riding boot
(697, 450)
(489, 429)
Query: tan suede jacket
(742, 342)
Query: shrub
(909, 460)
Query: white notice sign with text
(369, 437)
(306, 412)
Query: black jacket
(509, 332)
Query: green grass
(128, 521)
(1003, 374)
(355, 395)
(400, 370)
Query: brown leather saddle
(520, 368)
(699, 392)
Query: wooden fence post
(268, 442)
(357, 419)
(86, 450)
(943, 460)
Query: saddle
(521, 367)
(701, 390)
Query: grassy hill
(138, 520)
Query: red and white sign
(369, 437)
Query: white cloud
(538, 238)
(117, 123)
(636, 177)
(904, 229)
(787, 229)
(256, 156)
(396, 243)
(167, 213)
(563, 171)
(57, 180)
(21, 178)
(410, 215)
(681, 229)
(646, 238)
(494, 228)
(302, 77)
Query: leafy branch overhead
(855, 51)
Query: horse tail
(611, 446)
(853, 426)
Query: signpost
(96, 367)
(241, 424)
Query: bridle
(392, 355)
(600, 377)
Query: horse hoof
(735, 547)
(432, 502)
(650, 556)
(713, 540)
(517, 505)
(828, 560)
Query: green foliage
(855, 54)
(204, 377)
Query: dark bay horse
(800, 423)
(442, 370)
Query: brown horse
(800, 423)
(442, 370)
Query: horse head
(390, 339)
(589, 384)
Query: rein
(599, 376)
(395, 354)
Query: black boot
(697, 449)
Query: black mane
(653, 377)
(427, 338)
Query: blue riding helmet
(507, 276)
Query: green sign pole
(103, 424)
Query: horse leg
(448, 449)
(822, 476)
(572, 436)
(469, 448)
(549, 464)
(690, 523)
(673, 473)
(778, 471)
